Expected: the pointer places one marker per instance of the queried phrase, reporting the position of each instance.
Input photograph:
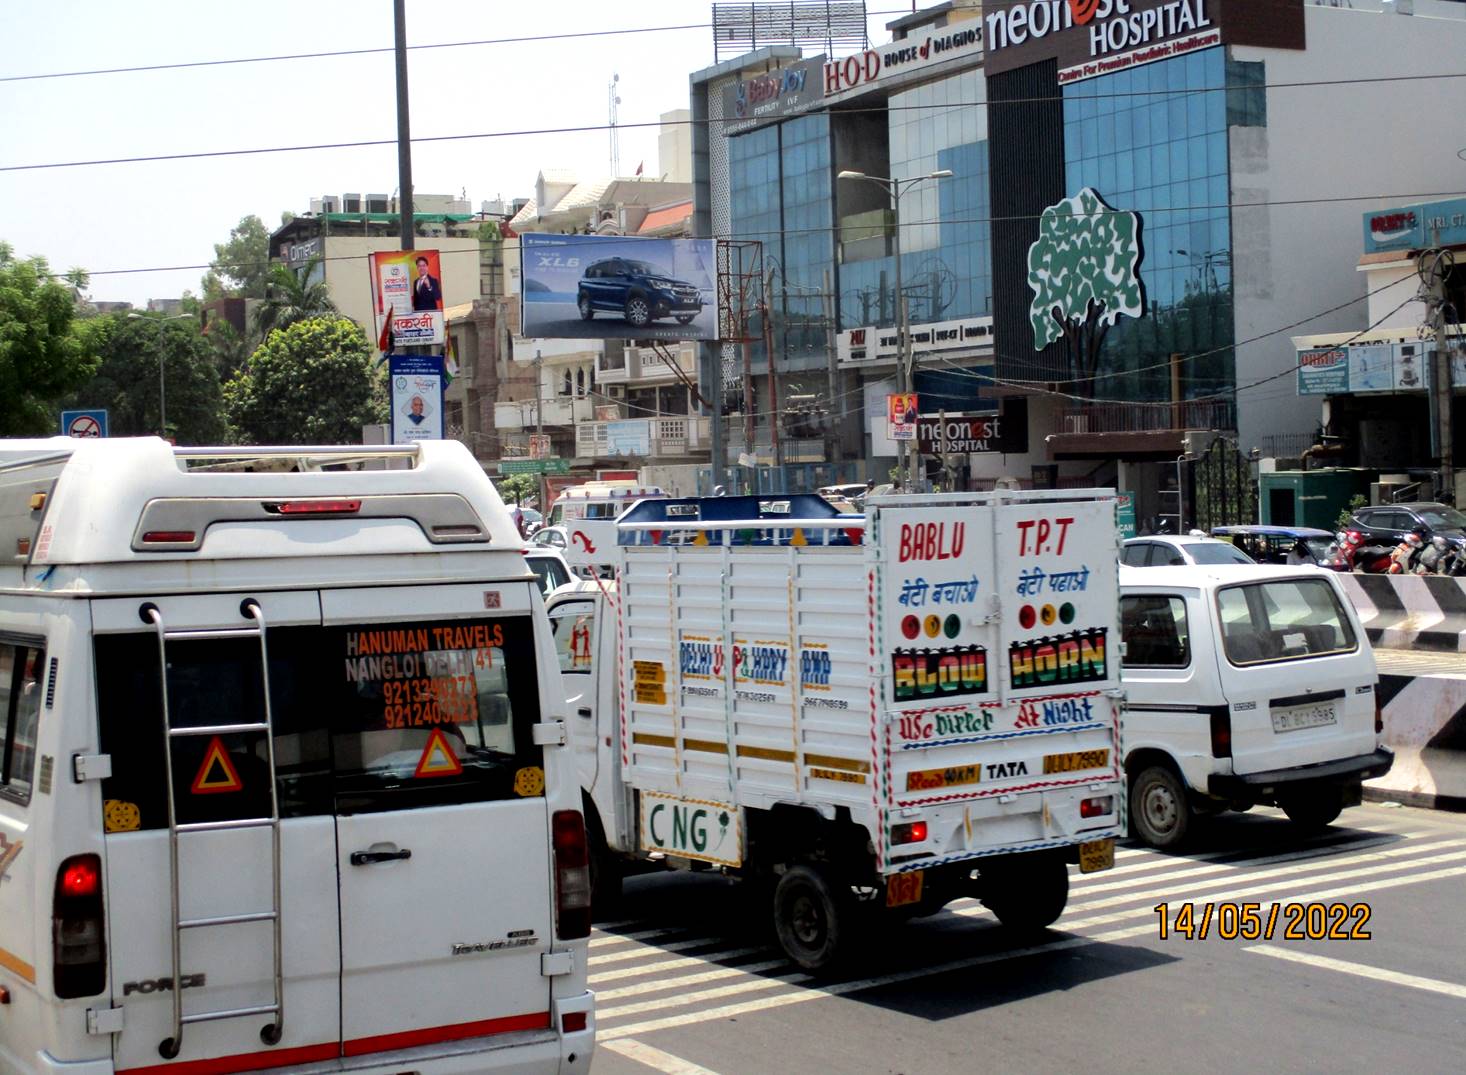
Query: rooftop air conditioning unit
(351, 203)
(376, 203)
(317, 205)
(330, 204)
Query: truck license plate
(1304, 716)
(1096, 855)
(904, 888)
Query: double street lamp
(162, 370)
(906, 458)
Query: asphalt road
(690, 982)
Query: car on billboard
(638, 290)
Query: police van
(283, 774)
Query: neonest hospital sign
(1089, 38)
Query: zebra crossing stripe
(670, 964)
(1379, 974)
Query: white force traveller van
(1245, 685)
(283, 782)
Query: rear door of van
(443, 829)
(215, 679)
(1296, 670)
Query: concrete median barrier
(1410, 611)
(1425, 725)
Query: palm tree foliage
(292, 296)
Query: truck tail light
(1221, 733)
(572, 875)
(78, 942)
(1098, 806)
(913, 832)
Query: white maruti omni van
(1245, 685)
(283, 775)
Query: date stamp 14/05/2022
(1264, 922)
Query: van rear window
(22, 666)
(367, 718)
(1282, 620)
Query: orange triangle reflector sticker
(438, 758)
(217, 774)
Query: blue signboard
(1323, 371)
(1415, 227)
(84, 423)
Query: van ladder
(270, 1033)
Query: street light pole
(907, 456)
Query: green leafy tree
(1083, 271)
(312, 383)
(139, 396)
(241, 266)
(45, 352)
(291, 296)
(518, 487)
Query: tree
(518, 487)
(312, 383)
(1083, 273)
(45, 352)
(291, 296)
(242, 265)
(129, 385)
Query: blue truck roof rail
(776, 519)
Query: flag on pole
(450, 360)
(639, 167)
(384, 341)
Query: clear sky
(171, 212)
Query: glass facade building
(1153, 140)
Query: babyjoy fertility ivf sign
(1097, 37)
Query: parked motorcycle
(1369, 559)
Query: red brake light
(913, 832)
(571, 1022)
(1221, 732)
(169, 537)
(572, 875)
(1098, 806)
(315, 507)
(80, 878)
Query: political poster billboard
(609, 287)
(417, 397)
(407, 292)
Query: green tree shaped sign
(1084, 273)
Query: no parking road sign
(84, 423)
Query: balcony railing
(1146, 418)
(644, 437)
(527, 413)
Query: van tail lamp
(573, 1022)
(169, 537)
(1221, 733)
(572, 875)
(78, 948)
(1098, 806)
(314, 507)
(912, 832)
(1379, 715)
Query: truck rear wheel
(1159, 812)
(1027, 893)
(812, 913)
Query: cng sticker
(217, 773)
(691, 828)
(438, 758)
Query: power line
(598, 127)
(929, 222)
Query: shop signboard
(1089, 38)
(510, 467)
(1323, 371)
(759, 99)
(984, 434)
(886, 63)
(1371, 367)
(1125, 514)
(629, 437)
(1415, 227)
(901, 415)
(604, 287)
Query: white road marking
(651, 949)
(602, 939)
(661, 985)
(1433, 985)
(753, 985)
(671, 964)
(655, 1058)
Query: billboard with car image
(611, 287)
